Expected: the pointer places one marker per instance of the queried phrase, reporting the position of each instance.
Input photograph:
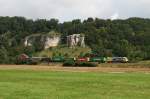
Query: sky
(67, 10)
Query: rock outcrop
(76, 40)
(44, 40)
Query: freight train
(25, 59)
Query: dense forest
(130, 37)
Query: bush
(86, 64)
(79, 64)
(69, 63)
(33, 62)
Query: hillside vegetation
(63, 51)
(129, 37)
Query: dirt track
(73, 69)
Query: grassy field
(30, 84)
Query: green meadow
(28, 84)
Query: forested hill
(130, 37)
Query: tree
(128, 37)
(4, 58)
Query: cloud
(66, 10)
(114, 16)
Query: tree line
(129, 37)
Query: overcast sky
(66, 10)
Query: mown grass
(23, 84)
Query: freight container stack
(98, 59)
(57, 59)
